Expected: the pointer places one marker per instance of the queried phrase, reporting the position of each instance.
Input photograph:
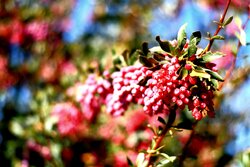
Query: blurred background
(49, 47)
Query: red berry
(196, 102)
(203, 105)
(177, 91)
(196, 114)
(188, 67)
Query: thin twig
(230, 70)
(219, 25)
(159, 138)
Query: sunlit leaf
(197, 35)
(182, 36)
(199, 73)
(228, 21)
(215, 75)
(192, 48)
(218, 37)
(209, 56)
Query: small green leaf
(215, 75)
(228, 21)
(209, 56)
(143, 60)
(130, 163)
(159, 57)
(197, 35)
(215, 83)
(218, 37)
(184, 72)
(125, 55)
(165, 45)
(199, 73)
(170, 158)
(192, 48)
(185, 125)
(182, 36)
(153, 61)
(161, 120)
(145, 49)
(242, 37)
(140, 160)
(117, 60)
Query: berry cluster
(158, 90)
(93, 94)
(124, 81)
(69, 118)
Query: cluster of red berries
(156, 89)
(160, 90)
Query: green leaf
(133, 57)
(140, 160)
(192, 48)
(143, 60)
(182, 36)
(130, 163)
(185, 125)
(170, 158)
(153, 61)
(215, 83)
(165, 45)
(197, 35)
(167, 161)
(209, 56)
(184, 72)
(161, 120)
(145, 49)
(218, 37)
(215, 75)
(199, 73)
(228, 21)
(117, 60)
(159, 57)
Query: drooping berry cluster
(158, 90)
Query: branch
(159, 138)
(185, 148)
(230, 70)
(219, 25)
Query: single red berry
(177, 91)
(179, 102)
(192, 58)
(203, 105)
(186, 100)
(204, 96)
(196, 102)
(182, 96)
(188, 67)
(196, 114)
